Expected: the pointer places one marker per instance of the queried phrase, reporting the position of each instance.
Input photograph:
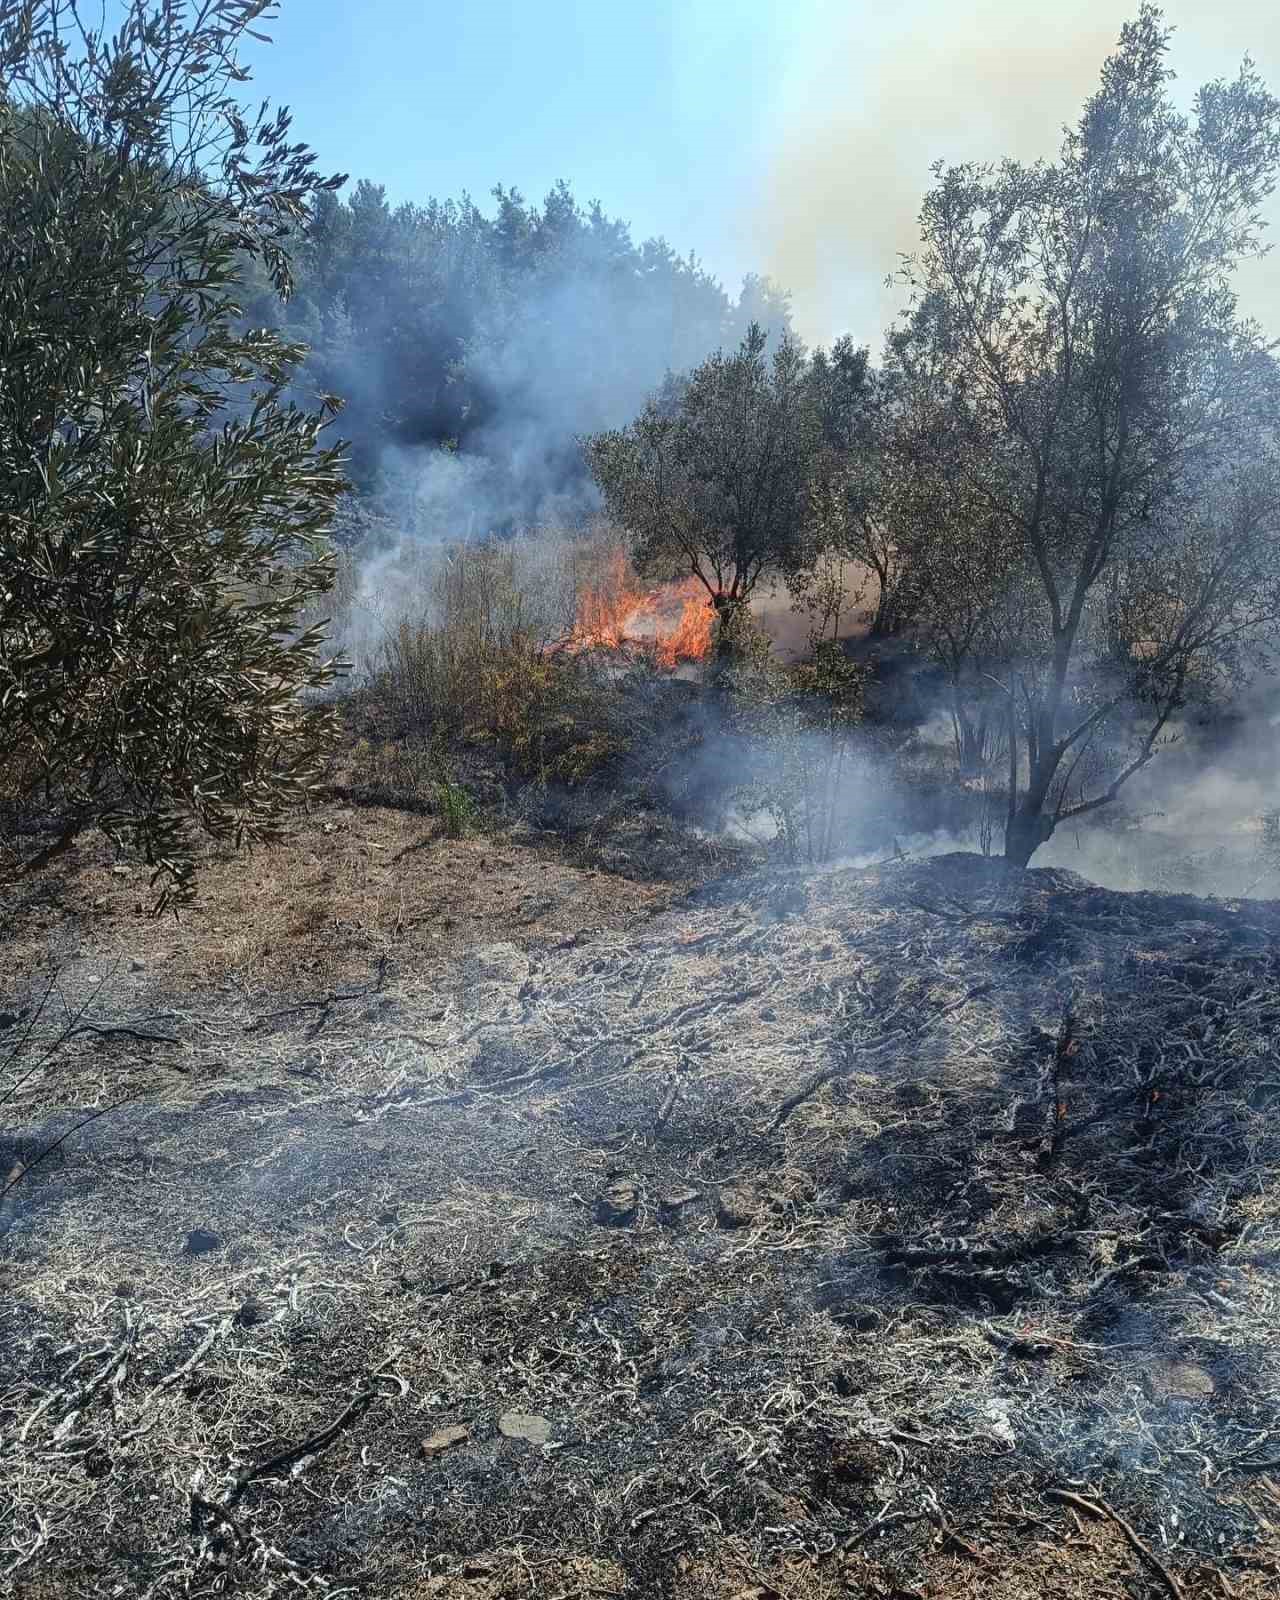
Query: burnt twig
(1108, 1513)
(663, 1114)
(860, 1056)
(108, 1030)
(325, 1001)
(298, 1452)
(21, 1170)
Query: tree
(1110, 420)
(713, 477)
(162, 510)
(853, 483)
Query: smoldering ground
(932, 1192)
(1194, 819)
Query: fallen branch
(108, 1030)
(299, 1452)
(855, 1057)
(1107, 1513)
(21, 1170)
(334, 997)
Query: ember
(673, 620)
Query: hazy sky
(787, 136)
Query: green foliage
(713, 477)
(162, 510)
(441, 324)
(455, 668)
(456, 807)
(475, 666)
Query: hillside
(907, 1231)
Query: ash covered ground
(906, 1231)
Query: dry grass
(344, 888)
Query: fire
(674, 620)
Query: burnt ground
(912, 1231)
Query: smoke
(868, 106)
(528, 586)
(1191, 821)
(473, 352)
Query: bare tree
(1110, 419)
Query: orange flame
(673, 620)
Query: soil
(899, 1232)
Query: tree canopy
(496, 337)
(713, 477)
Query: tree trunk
(726, 642)
(1027, 830)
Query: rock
(1178, 1381)
(996, 1414)
(497, 963)
(435, 1444)
(200, 1241)
(857, 1316)
(619, 1200)
(671, 1204)
(119, 871)
(523, 1425)
(9, 1019)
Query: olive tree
(852, 504)
(713, 477)
(162, 509)
(1110, 419)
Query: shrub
(162, 509)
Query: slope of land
(909, 1231)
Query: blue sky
(658, 109)
(787, 136)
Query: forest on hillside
(470, 347)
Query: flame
(674, 620)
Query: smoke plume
(867, 107)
